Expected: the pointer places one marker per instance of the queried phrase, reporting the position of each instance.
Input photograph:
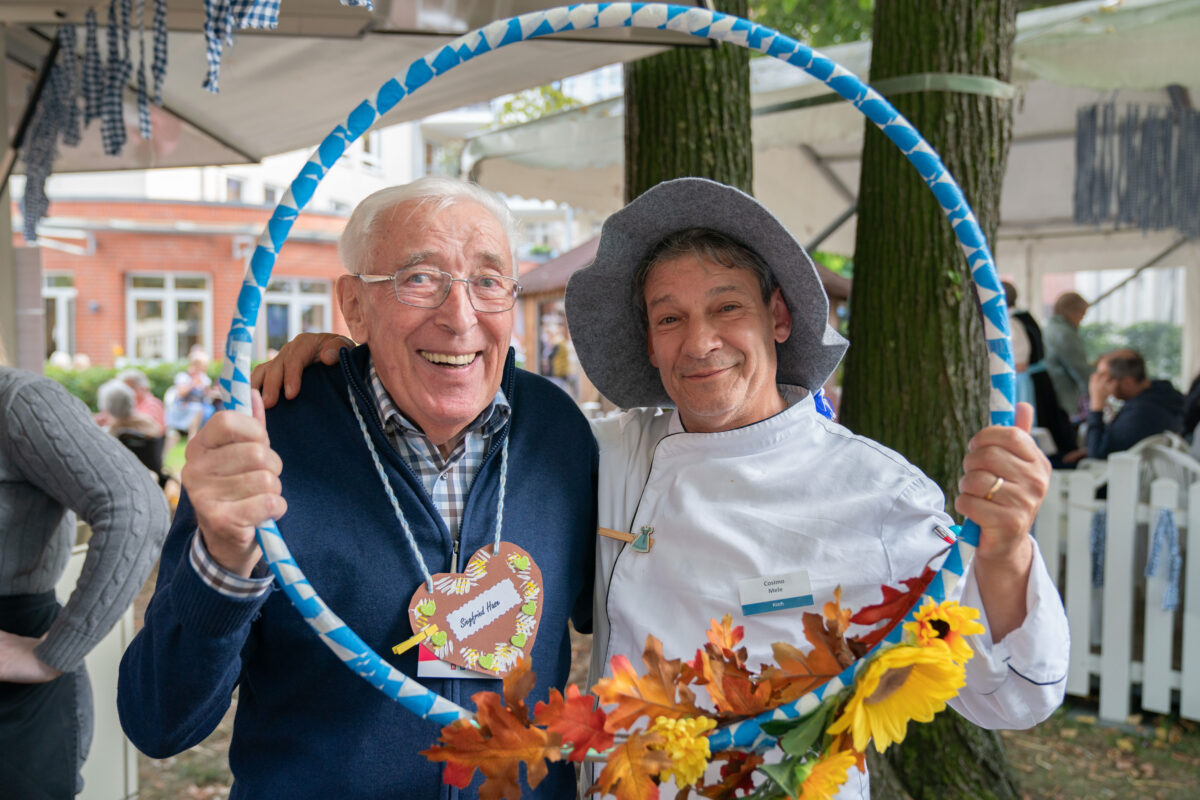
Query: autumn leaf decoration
(654, 728)
(497, 741)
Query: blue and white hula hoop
(235, 384)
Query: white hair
(134, 378)
(116, 398)
(437, 192)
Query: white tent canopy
(285, 89)
(807, 156)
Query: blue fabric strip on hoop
(695, 21)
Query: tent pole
(31, 106)
(8, 275)
(1171, 249)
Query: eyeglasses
(424, 287)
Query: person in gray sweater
(54, 460)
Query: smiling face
(442, 366)
(713, 339)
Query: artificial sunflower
(901, 683)
(687, 745)
(946, 622)
(827, 776)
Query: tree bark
(687, 113)
(916, 374)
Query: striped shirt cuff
(222, 580)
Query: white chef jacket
(793, 492)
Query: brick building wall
(144, 238)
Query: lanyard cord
(391, 495)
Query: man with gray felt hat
(699, 299)
(706, 319)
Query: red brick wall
(101, 278)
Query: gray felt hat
(606, 325)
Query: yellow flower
(687, 746)
(827, 776)
(901, 683)
(946, 622)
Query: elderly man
(427, 428)
(700, 299)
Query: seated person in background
(146, 403)
(1150, 406)
(132, 428)
(190, 407)
(118, 404)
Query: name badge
(768, 593)
(430, 666)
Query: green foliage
(816, 22)
(1160, 343)
(835, 262)
(533, 104)
(84, 383)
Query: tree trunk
(916, 374)
(687, 113)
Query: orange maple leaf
(502, 740)
(737, 773)
(732, 688)
(518, 683)
(725, 638)
(826, 634)
(895, 606)
(628, 775)
(798, 673)
(661, 693)
(576, 719)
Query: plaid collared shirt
(447, 480)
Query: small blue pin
(642, 542)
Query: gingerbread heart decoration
(487, 616)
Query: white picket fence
(1105, 615)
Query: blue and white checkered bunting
(92, 79)
(222, 18)
(66, 85)
(112, 122)
(143, 103)
(159, 68)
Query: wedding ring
(995, 488)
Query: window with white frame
(371, 159)
(166, 315)
(58, 298)
(235, 190)
(292, 306)
(271, 195)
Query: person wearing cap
(700, 299)
(706, 319)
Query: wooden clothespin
(415, 639)
(641, 541)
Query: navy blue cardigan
(306, 726)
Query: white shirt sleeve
(1018, 681)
